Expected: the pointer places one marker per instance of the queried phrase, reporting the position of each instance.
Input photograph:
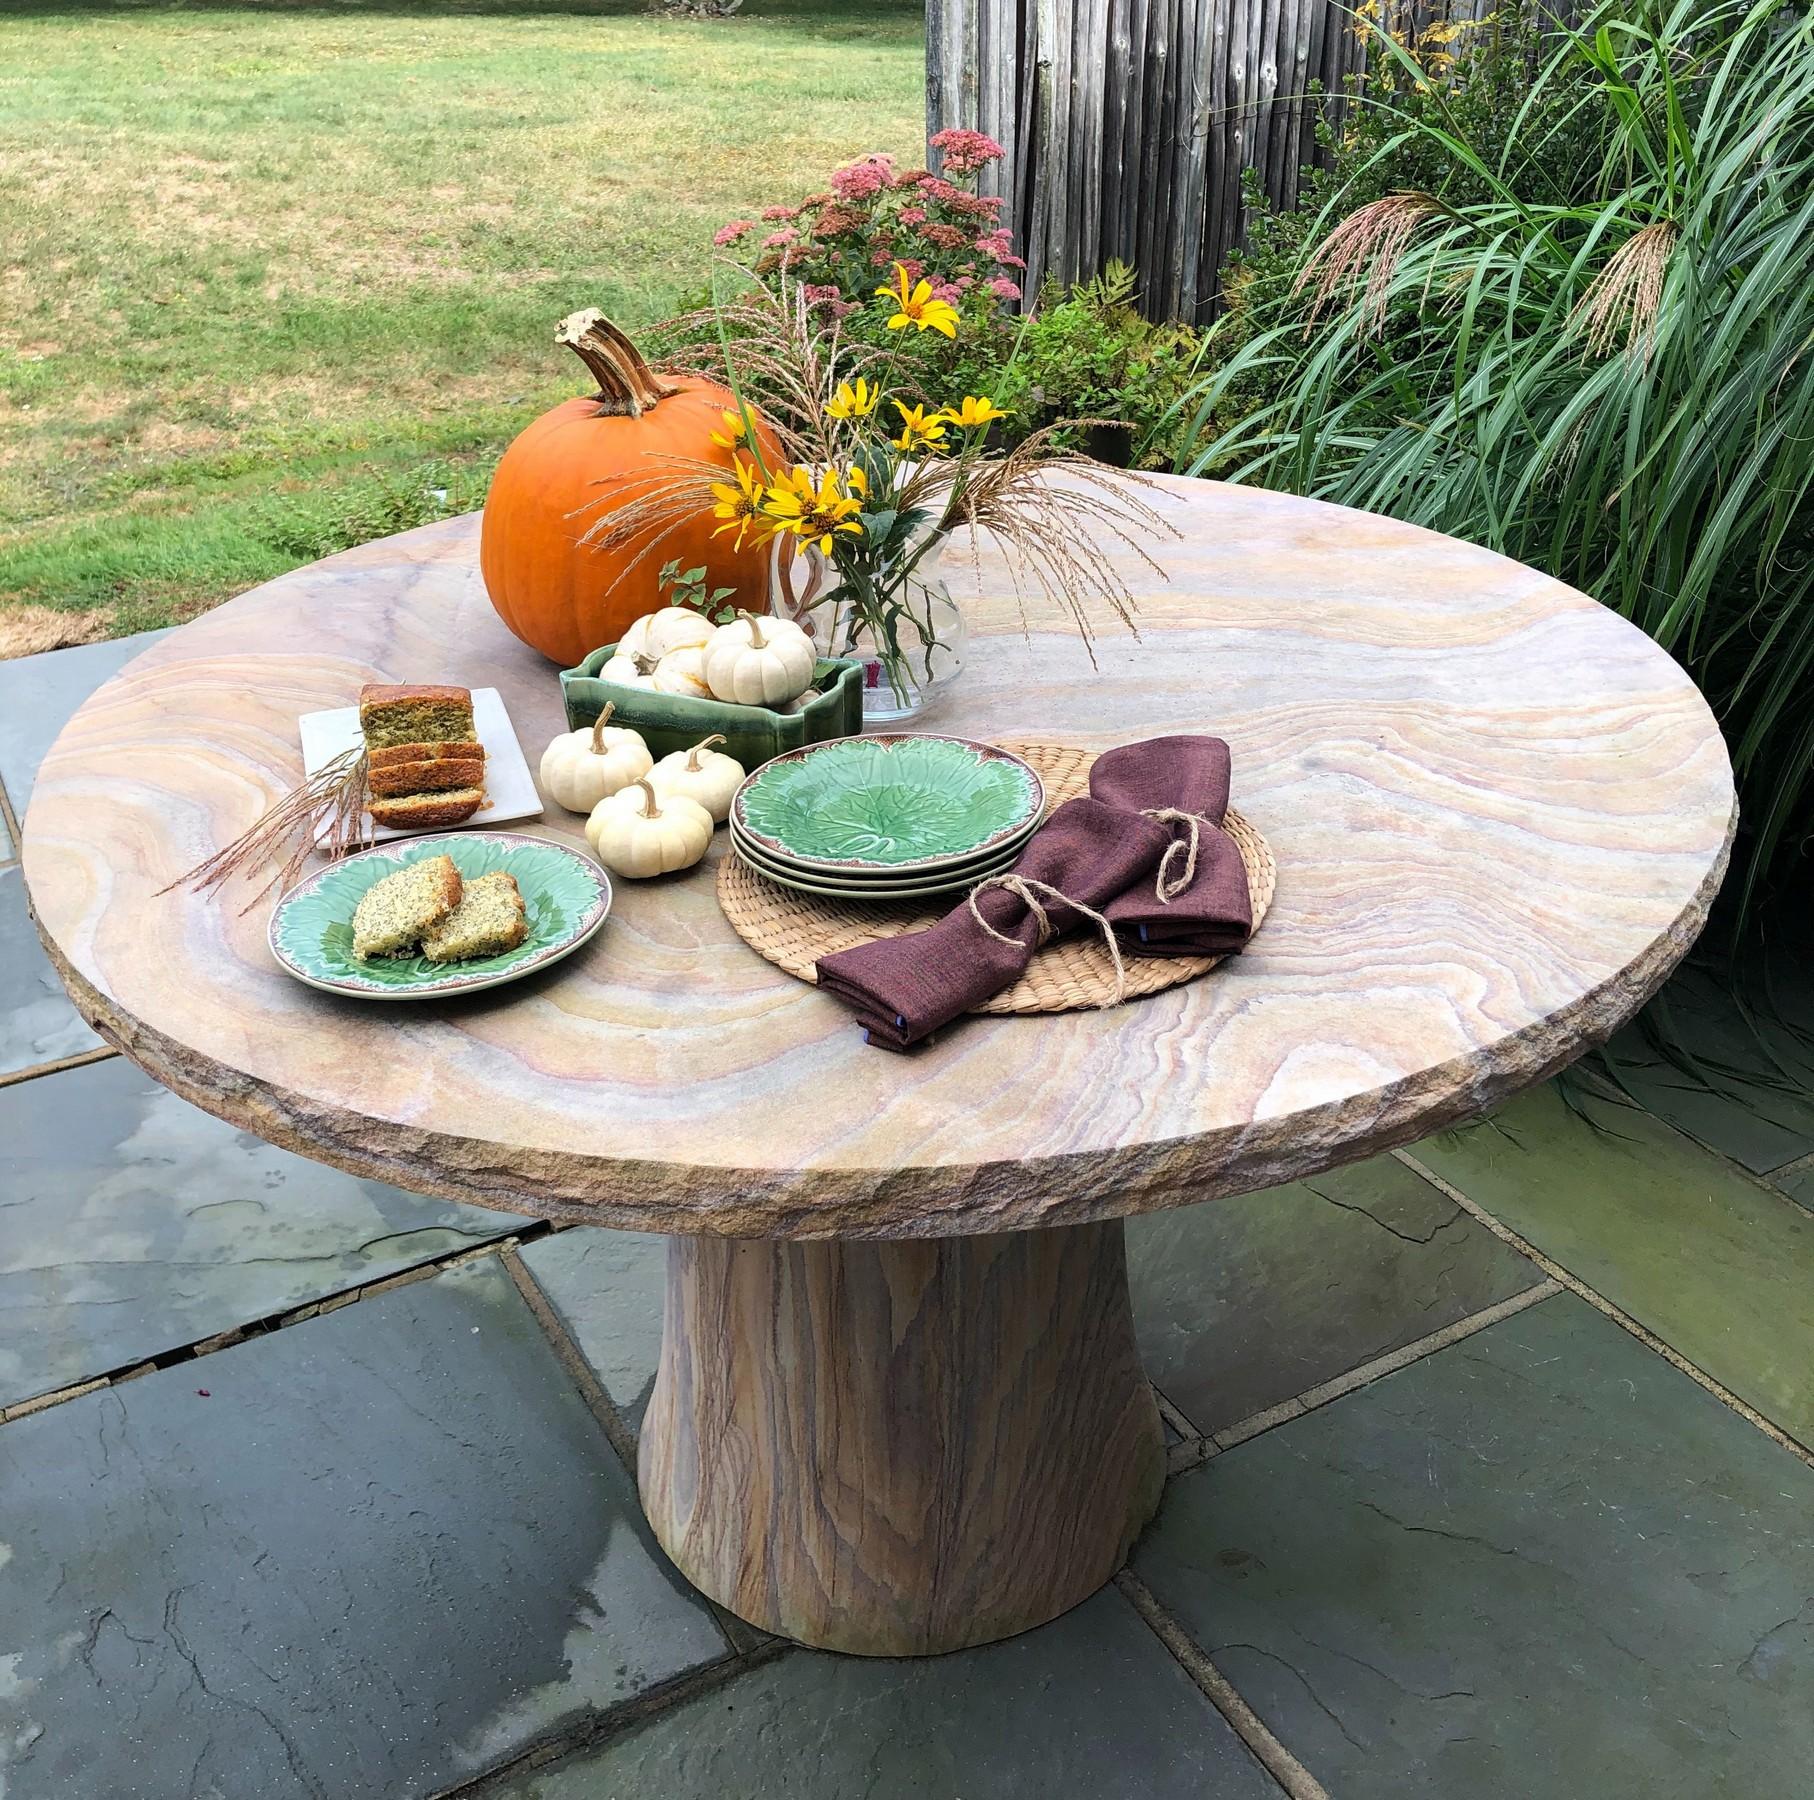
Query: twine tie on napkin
(1027, 891)
(1166, 885)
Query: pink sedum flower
(1003, 289)
(776, 239)
(729, 234)
(965, 151)
(935, 187)
(780, 212)
(864, 178)
(912, 215)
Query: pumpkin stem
(626, 383)
(598, 728)
(717, 737)
(650, 810)
(757, 640)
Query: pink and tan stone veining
(1500, 815)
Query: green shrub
(1569, 317)
(1087, 353)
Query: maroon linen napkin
(1212, 912)
(902, 988)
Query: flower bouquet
(869, 487)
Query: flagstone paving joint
(1618, 1315)
(14, 832)
(613, 1722)
(12, 1077)
(1173, 1415)
(253, 1329)
(1279, 1763)
(1800, 1165)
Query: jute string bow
(1027, 891)
(1166, 885)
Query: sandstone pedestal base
(900, 1448)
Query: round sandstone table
(899, 1407)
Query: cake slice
(413, 714)
(424, 811)
(394, 913)
(454, 750)
(490, 918)
(433, 775)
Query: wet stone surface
(1541, 1562)
(1088, 1706)
(369, 1555)
(134, 1224)
(37, 1022)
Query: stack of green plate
(896, 816)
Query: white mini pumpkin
(682, 671)
(638, 833)
(581, 767)
(759, 662)
(629, 669)
(702, 774)
(673, 628)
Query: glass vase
(910, 640)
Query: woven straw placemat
(793, 930)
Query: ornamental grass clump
(1582, 333)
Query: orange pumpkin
(567, 471)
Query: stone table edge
(951, 1200)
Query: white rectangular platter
(509, 787)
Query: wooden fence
(1128, 123)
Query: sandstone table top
(1500, 815)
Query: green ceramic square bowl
(752, 734)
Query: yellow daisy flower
(740, 507)
(916, 306)
(813, 512)
(974, 413)
(920, 430)
(853, 400)
(735, 432)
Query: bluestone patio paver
(1242, 1303)
(606, 1287)
(1713, 1262)
(135, 1224)
(1090, 1705)
(39, 693)
(368, 1555)
(37, 1022)
(1728, 1075)
(1542, 1564)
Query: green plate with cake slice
(427, 916)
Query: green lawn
(275, 275)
